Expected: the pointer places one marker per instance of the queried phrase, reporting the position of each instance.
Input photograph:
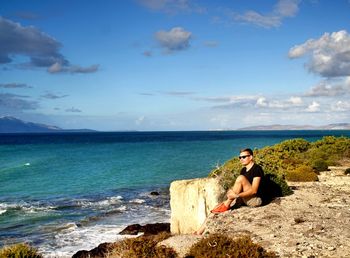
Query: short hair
(247, 150)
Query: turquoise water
(65, 192)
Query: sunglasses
(243, 157)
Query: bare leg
(200, 231)
(202, 228)
(241, 185)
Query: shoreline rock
(191, 201)
(104, 249)
(148, 229)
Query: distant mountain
(9, 124)
(339, 126)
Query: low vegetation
(218, 245)
(19, 251)
(294, 160)
(302, 173)
(143, 247)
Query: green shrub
(285, 157)
(217, 246)
(143, 247)
(276, 186)
(347, 171)
(320, 165)
(19, 251)
(302, 173)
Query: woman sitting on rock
(247, 187)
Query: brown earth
(312, 222)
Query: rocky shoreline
(312, 222)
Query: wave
(3, 208)
(25, 207)
(61, 206)
(68, 242)
(54, 228)
(86, 203)
(137, 201)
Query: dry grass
(142, 247)
(218, 245)
(19, 251)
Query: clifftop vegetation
(294, 160)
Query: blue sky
(175, 64)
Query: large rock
(191, 202)
(148, 229)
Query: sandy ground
(313, 222)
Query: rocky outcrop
(191, 202)
(101, 251)
(104, 249)
(148, 229)
(313, 222)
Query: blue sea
(64, 192)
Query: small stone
(291, 243)
(319, 227)
(154, 193)
(299, 220)
(331, 248)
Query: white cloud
(261, 102)
(140, 120)
(287, 8)
(329, 55)
(297, 101)
(175, 39)
(172, 6)
(55, 68)
(259, 19)
(330, 88)
(313, 107)
(341, 106)
(283, 9)
(221, 121)
(59, 68)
